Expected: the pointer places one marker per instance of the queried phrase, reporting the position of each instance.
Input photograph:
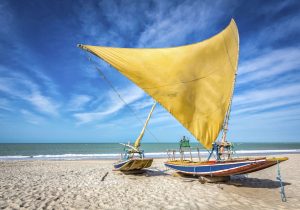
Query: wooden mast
(137, 142)
(225, 124)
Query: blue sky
(50, 92)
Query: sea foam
(203, 153)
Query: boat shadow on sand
(145, 172)
(236, 181)
(243, 181)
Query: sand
(77, 185)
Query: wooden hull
(224, 168)
(133, 164)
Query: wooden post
(199, 154)
(181, 155)
(191, 154)
(168, 154)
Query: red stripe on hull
(255, 164)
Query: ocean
(68, 151)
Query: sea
(90, 151)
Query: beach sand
(77, 185)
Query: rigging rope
(227, 116)
(102, 75)
(282, 192)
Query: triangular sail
(193, 82)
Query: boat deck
(213, 162)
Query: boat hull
(224, 168)
(133, 164)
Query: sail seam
(184, 82)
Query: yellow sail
(193, 82)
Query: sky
(50, 91)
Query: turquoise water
(113, 150)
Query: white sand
(78, 185)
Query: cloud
(142, 104)
(31, 117)
(268, 65)
(287, 91)
(21, 76)
(265, 107)
(19, 86)
(5, 104)
(78, 102)
(43, 103)
(162, 117)
(171, 24)
(261, 101)
(6, 17)
(268, 32)
(49, 85)
(129, 94)
(267, 84)
(274, 32)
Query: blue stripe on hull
(119, 165)
(206, 168)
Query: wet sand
(78, 185)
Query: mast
(226, 121)
(138, 140)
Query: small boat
(194, 83)
(223, 165)
(134, 159)
(133, 164)
(231, 167)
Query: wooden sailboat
(229, 167)
(134, 157)
(195, 84)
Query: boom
(137, 142)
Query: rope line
(227, 116)
(282, 192)
(102, 75)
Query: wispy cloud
(279, 28)
(258, 89)
(270, 64)
(274, 32)
(24, 81)
(129, 94)
(5, 17)
(49, 85)
(43, 103)
(19, 86)
(78, 102)
(142, 104)
(5, 104)
(268, 94)
(31, 117)
(173, 24)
